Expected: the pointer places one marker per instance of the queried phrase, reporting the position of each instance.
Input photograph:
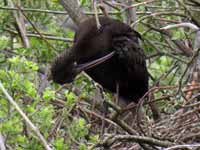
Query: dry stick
(188, 25)
(2, 142)
(20, 26)
(181, 46)
(103, 9)
(138, 4)
(119, 4)
(166, 20)
(74, 10)
(55, 12)
(110, 5)
(49, 37)
(131, 13)
(152, 89)
(133, 138)
(21, 30)
(195, 2)
(157, 14)
(96, 15)
(185, 24)
(196, 45)
(142, 3)
(99, 116)
(186, 146)
(28, 121)
(35, 28)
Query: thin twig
(132, 138)
(185, 146)
(20, 26)
(44, 36)
(184, 24)
(96, 14)
(28, 121)
(36, 28)
(2, 142)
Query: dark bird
(111, 55)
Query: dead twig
(28, 121)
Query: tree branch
(2, 144)
(111, 139)
(28, 121)
(20, 26)
(72, 7)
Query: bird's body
(127, 67)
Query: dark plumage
(127, 67)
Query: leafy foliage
(58, 111)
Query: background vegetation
(33, 33)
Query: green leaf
(178, 35)
(79, 128)
(31, 65)
(30, 89)
(71, 97)
(4, 42)
(48, 94)
(94, 138)
(82, 147)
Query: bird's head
(62, 68)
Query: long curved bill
(96, 62)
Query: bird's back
(127, 68)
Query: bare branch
(111, 139)
(49, 37)
(185, 24)
(186, 146)
(131, 13)
(55, 12)
(72, 7)
(197, 40)
(2, 144)
(28, 121)
(96, 14)
(20, 26)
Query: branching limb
(184, 24)
(20, 26)
(2, 144)
(72, 7)
(28, 121)
(186, 146)
(111, 139)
